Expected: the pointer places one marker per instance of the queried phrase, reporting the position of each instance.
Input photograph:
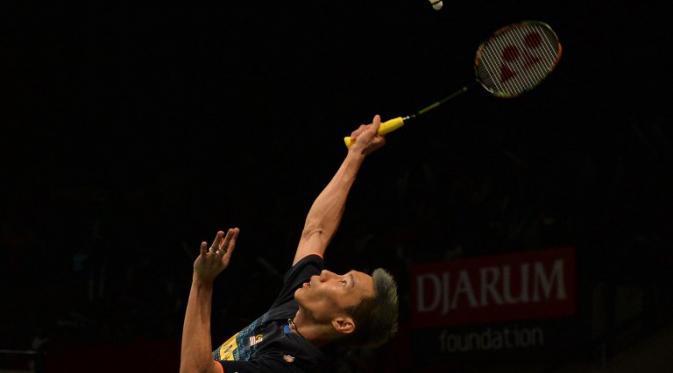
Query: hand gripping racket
(514, 60)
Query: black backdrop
(133, 131)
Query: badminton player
(315, 310)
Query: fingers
(231, 243)
(204, 248)
(377, 143)
(222, 244)
(358, 131)
(371, 128)
(376, 122)
(217, 241)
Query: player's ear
(343, 324)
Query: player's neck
(314, 332)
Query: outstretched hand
(366, 139)
(212, 261)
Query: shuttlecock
(436, 4)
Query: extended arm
(195, 353)
(325, 214)
(196, 348)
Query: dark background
(131, 132)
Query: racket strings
(517, 59)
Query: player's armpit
(311, 243)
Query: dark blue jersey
(267, 344)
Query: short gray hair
(376, 317)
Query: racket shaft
(385, 128)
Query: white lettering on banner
(420, 282)
(491, 340)
(506, 288)
(488, 286)
(494, 286)
(464, 287)
(547, 283)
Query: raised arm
(325, 214)
(195, 354)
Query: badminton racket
(513, 60)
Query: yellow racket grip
(386, 127)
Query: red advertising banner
(516, 286)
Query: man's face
(328, 295)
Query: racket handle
(386, 127)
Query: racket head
(517, 58)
